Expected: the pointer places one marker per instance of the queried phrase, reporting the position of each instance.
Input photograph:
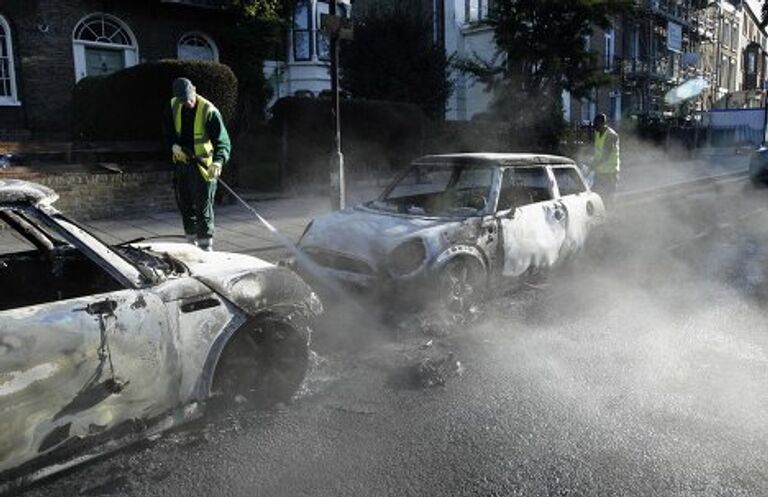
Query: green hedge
(128, 104)
(376, 135)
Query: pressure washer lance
(307, 263)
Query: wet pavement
(637, 373)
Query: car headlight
(407, 257)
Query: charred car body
(122, 341)
(453, 225)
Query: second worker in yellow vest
(200, 146)
(607, 161)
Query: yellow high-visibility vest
(607, 161)
(203, 146)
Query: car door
(531, 222)
(79, 352)
(583, 208)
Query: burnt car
(758, 166)
(451, 226)
(103, 345)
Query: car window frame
(121, 269)
(493, 189)
(551, 185)
(552, 168)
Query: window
(636, 42)
(197, 46)
(475, 10)
(568, 181)
(302, 26)
(608, 50)
(523, 186)
(8, 95)
(103, 44)
(726, 34)
(323, 41)
(614, 113)
(751, 63)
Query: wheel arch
(294, 315)
(461, 251)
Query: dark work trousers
(605, 185)
(194, 197)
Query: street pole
(338, 187)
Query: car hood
(369, 234)
(205, 264)
(251, 283)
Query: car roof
(496, 159)
(16, 190)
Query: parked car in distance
(452, 226)
(103, 345)
(758, 166)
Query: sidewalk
(239, 231)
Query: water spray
(307, 263)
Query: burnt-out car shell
(100, 341)
(508, 214)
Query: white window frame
(481, 11)
(609, 47)
(13, 99)
(205, 37)
(130, 52)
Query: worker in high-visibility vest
(200, 146)
(606, 162)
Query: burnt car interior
(439, 190)
(523, 186)
(37, 266)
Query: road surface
(641, 372)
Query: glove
(178, 154)
(214, 170)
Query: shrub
(128, 104)
(376, 135)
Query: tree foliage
(541, 52)
(256, 35)
(393, 57)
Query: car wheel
(461, 290)
(264, 363)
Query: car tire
(263, 364)
(461, 290)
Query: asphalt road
(640, 372)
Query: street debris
(433, 372)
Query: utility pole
(338, 186)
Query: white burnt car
(112, 343)
(453, 225)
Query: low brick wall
(95, 192)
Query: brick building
(46, 46)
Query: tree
(541, 52)
(764, 10)
(393, 57)
(256, 35)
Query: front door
(532, 223)
(583, 208)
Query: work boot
(191, 239)
(205, 244)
